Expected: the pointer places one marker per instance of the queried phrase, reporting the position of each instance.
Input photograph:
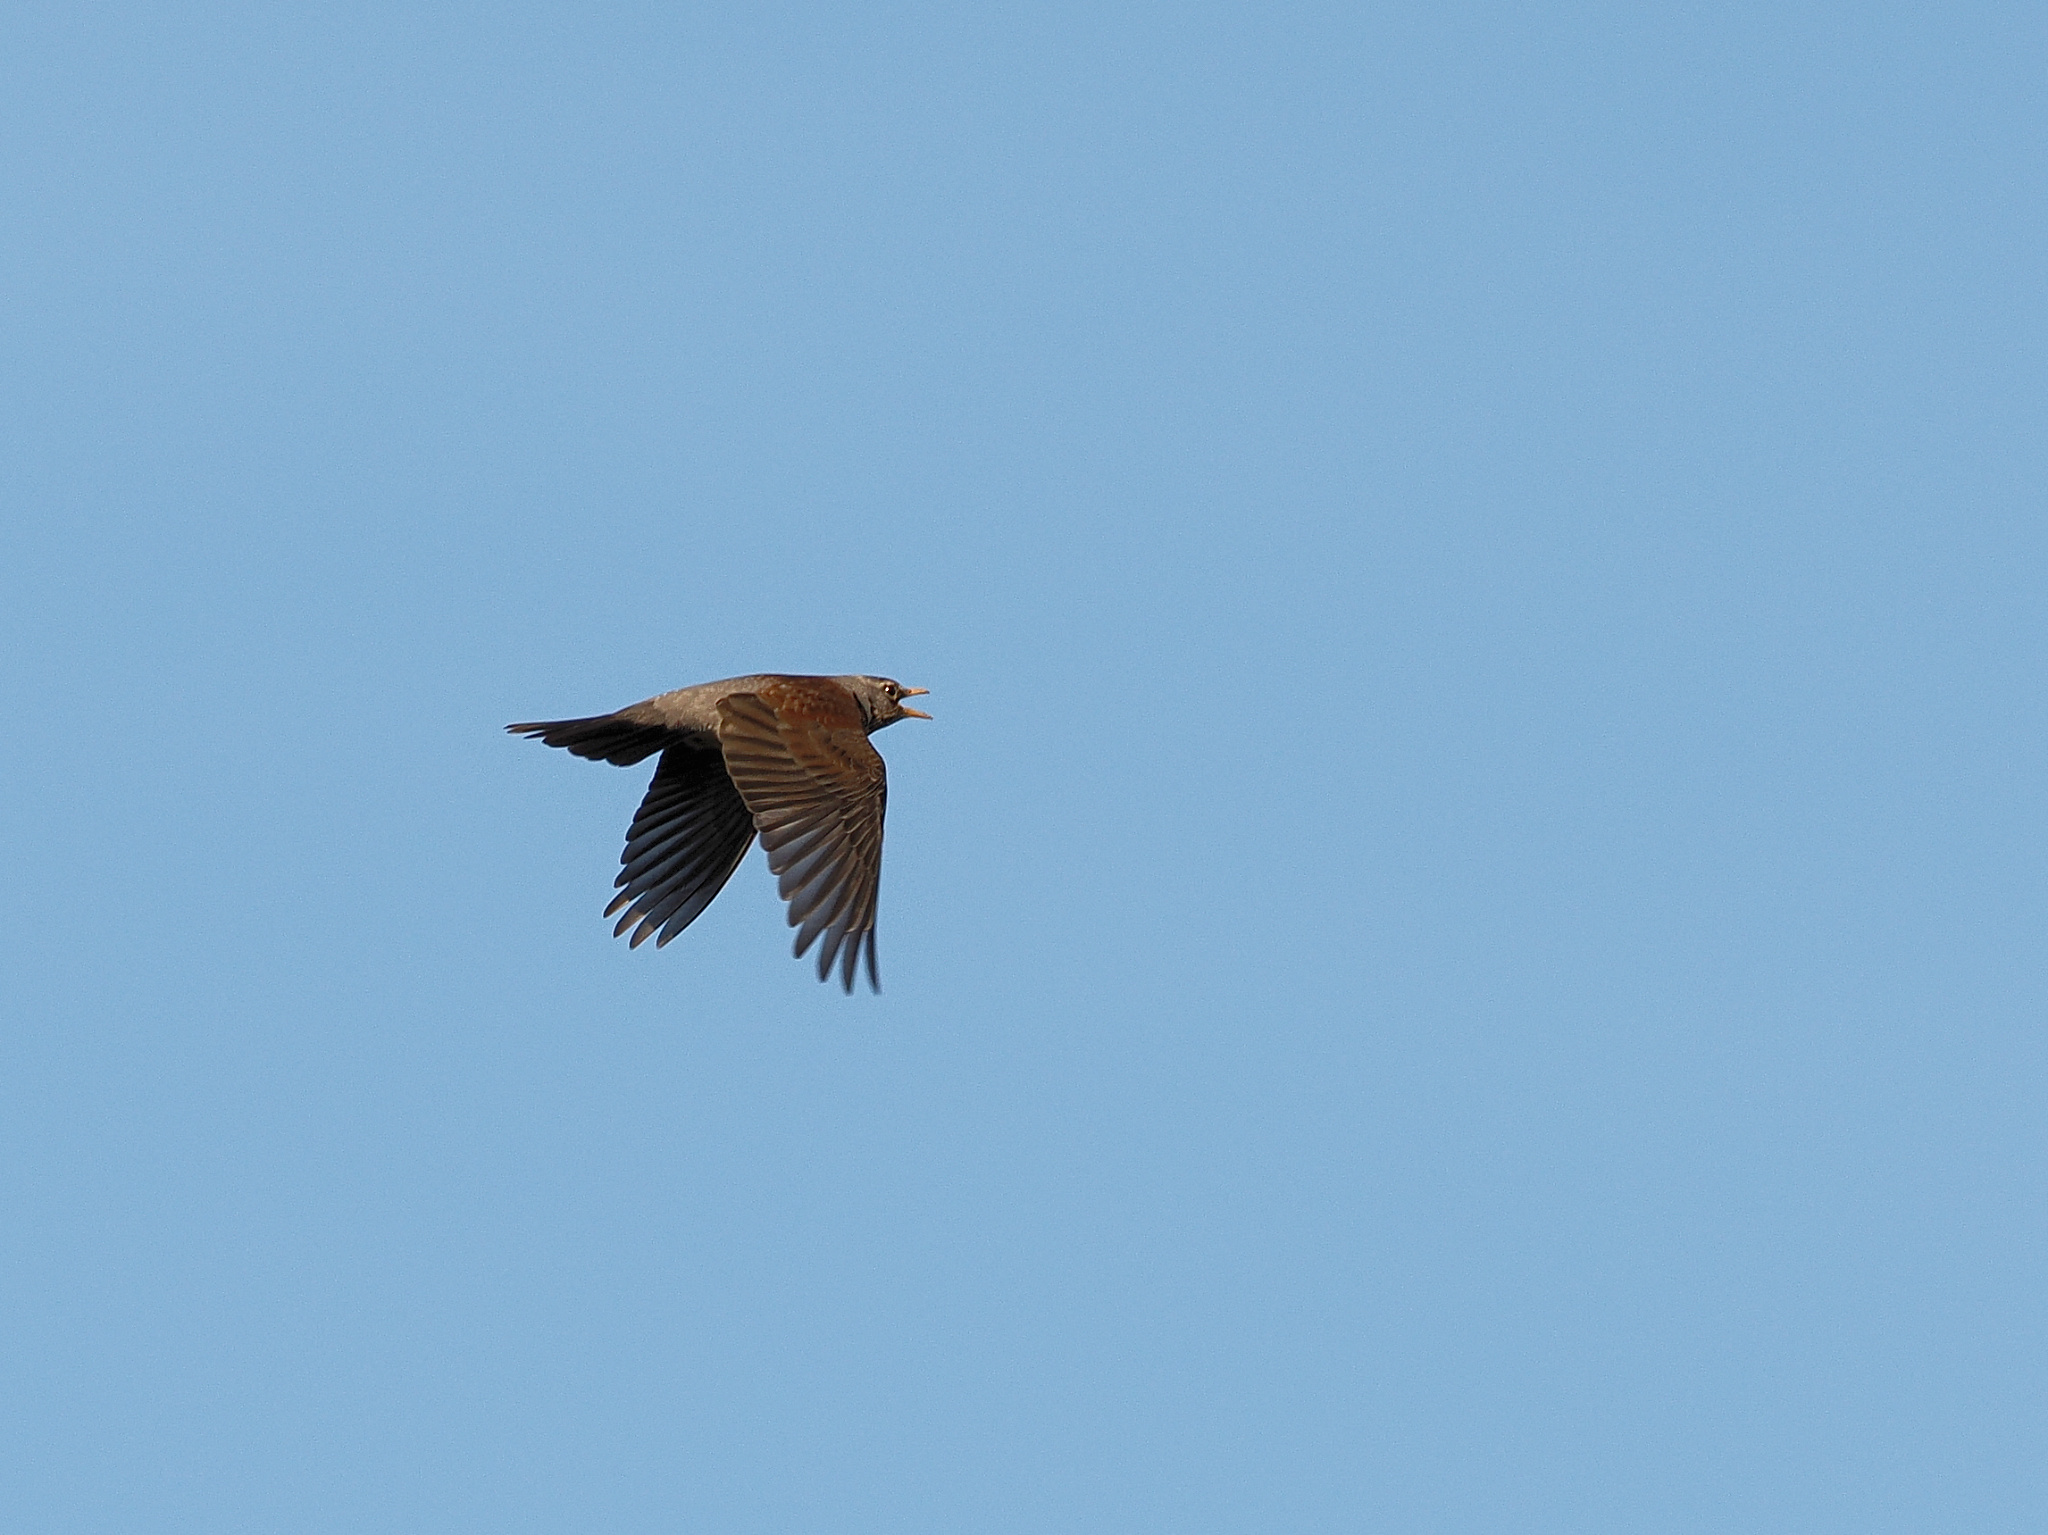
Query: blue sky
(1464, 951)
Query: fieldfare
(785, 757)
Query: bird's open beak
(915, 713)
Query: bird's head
(881, 700)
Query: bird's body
(784, 757)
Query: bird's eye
(890, 690)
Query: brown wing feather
(798, 753)
(689, 834)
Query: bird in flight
(784, 758)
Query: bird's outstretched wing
(798, 752)
(689, 834)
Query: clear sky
(1465, 949)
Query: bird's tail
(603, 737)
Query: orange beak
(916, 714)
